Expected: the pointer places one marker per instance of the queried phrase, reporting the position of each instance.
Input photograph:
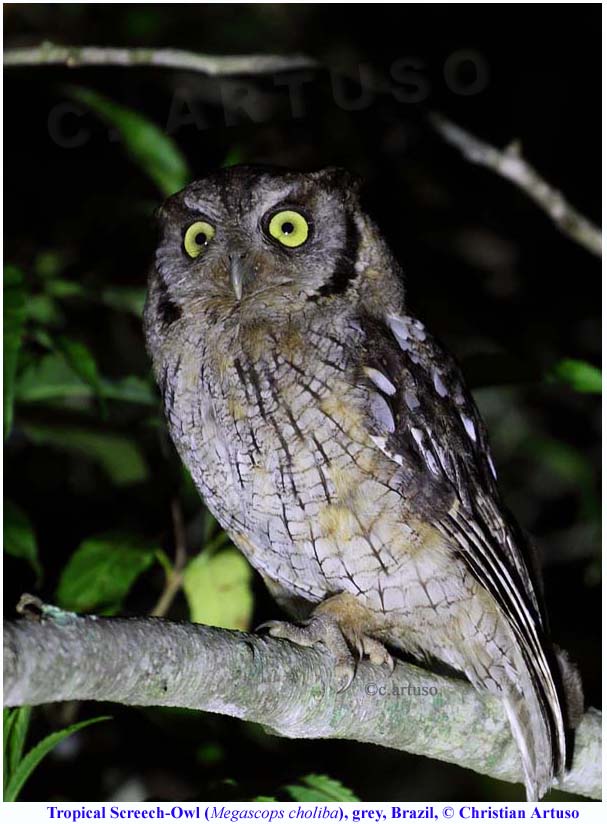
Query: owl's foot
(339, 623)
(319, 629)
(377, 653)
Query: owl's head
(249, 242)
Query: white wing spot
(469, 427)
(438, 384)
(429, 455)
(380, 380)
(419, 331)
(431, 461)
(400, 330)
(411, 399)
(381, 444)
(492, 466)
(382, 413)
(418, 435)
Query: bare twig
(59, 656)
(511, 165)
(508, 163)
(175, 577)
(214, 65)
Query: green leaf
(15, 740)
(155, 152)
(51, 378)
(320, 788)
(19, 538)
(101, 572)
(218, 589)
(210, 527)
(42, 337)
(81, 360)
(42, 309)
(125, 299)
(118, 455)
(210, 753)
(165, 562)
(49, 263)
(37, 753)
(61, 288)
(7, 720)
(131, 389)
(14, 322)
(234, 156)
(579, 375)
(566, 462)
(562, 459)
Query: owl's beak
(239, 272)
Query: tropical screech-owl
(336, 442)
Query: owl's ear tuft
(161, 213)
(338, 178)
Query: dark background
(485, 268)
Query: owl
(336, 442)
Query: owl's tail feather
(536, 711)
(533, 741)
(540, 719)
(531, 684)
(535, 707)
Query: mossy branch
(60, 656)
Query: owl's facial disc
(249, 242)
(284, 227)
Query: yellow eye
(197, 236)
(289, 228)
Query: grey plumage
(336, 442)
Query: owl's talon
(345, 670)
(320, 629)
(377, 653)
(289, 632)
(269, 626)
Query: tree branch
(61, 656)
(508, 163)
(511, 165)
(214, 65)
(148, 661)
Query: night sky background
(486, 270)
